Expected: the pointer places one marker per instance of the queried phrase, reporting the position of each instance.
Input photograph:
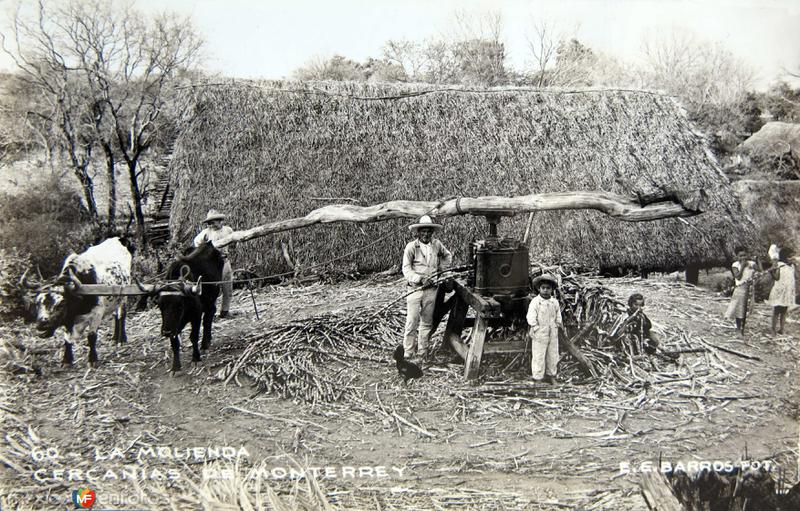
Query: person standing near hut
(214, 231)
(782, 295)
(544, 318)
(775, 236)
(423, 259)
(743, 270)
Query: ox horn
(185, 272)
(73, 279)
(37, 287)
(155, 289)
(23, 281)
(197, 289)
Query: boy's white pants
(419, 305)
(544, 351)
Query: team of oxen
(188, 297)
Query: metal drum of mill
(501, 267)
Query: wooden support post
(692, 274)
(473, 365)
(527, 235)
(455, 325)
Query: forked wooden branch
(672, 204)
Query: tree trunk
(617, 206)
(136, 194)
(112, 189)
(87, 185)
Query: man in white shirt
(423, 259)
(216, 231)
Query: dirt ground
(154, 440)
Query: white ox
(81, 315)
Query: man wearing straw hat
(216, 231)
(423, 259)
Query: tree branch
(617, 206)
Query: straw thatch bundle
(269, 151)
(774, 207)
(774, 150)
(774, 139)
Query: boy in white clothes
(544, 318)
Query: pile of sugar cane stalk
(316, 359)
(596, 324)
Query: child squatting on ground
(544, 318)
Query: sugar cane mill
(497, 288)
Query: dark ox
(107, 263)
(181, 305)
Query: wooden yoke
(111, 290)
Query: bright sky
(271, 38)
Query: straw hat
(424, 221)
(212, 215)
(545, 278)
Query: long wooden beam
(673, 204)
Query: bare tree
(383, 70)
(560, 60)
(48, 69)
(108, 71)
(21, 131)
(409, 55)
(478, 47)
(440, 63)
(139, 80)
(336, 68)
(575, 64)
(698, 72)
(470, 51)
(543, 45)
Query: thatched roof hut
(774, 139)
(773, 150)
(270, 151)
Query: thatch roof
(774, 207)
(774, 139)
(271, 151)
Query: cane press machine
(497, 290)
